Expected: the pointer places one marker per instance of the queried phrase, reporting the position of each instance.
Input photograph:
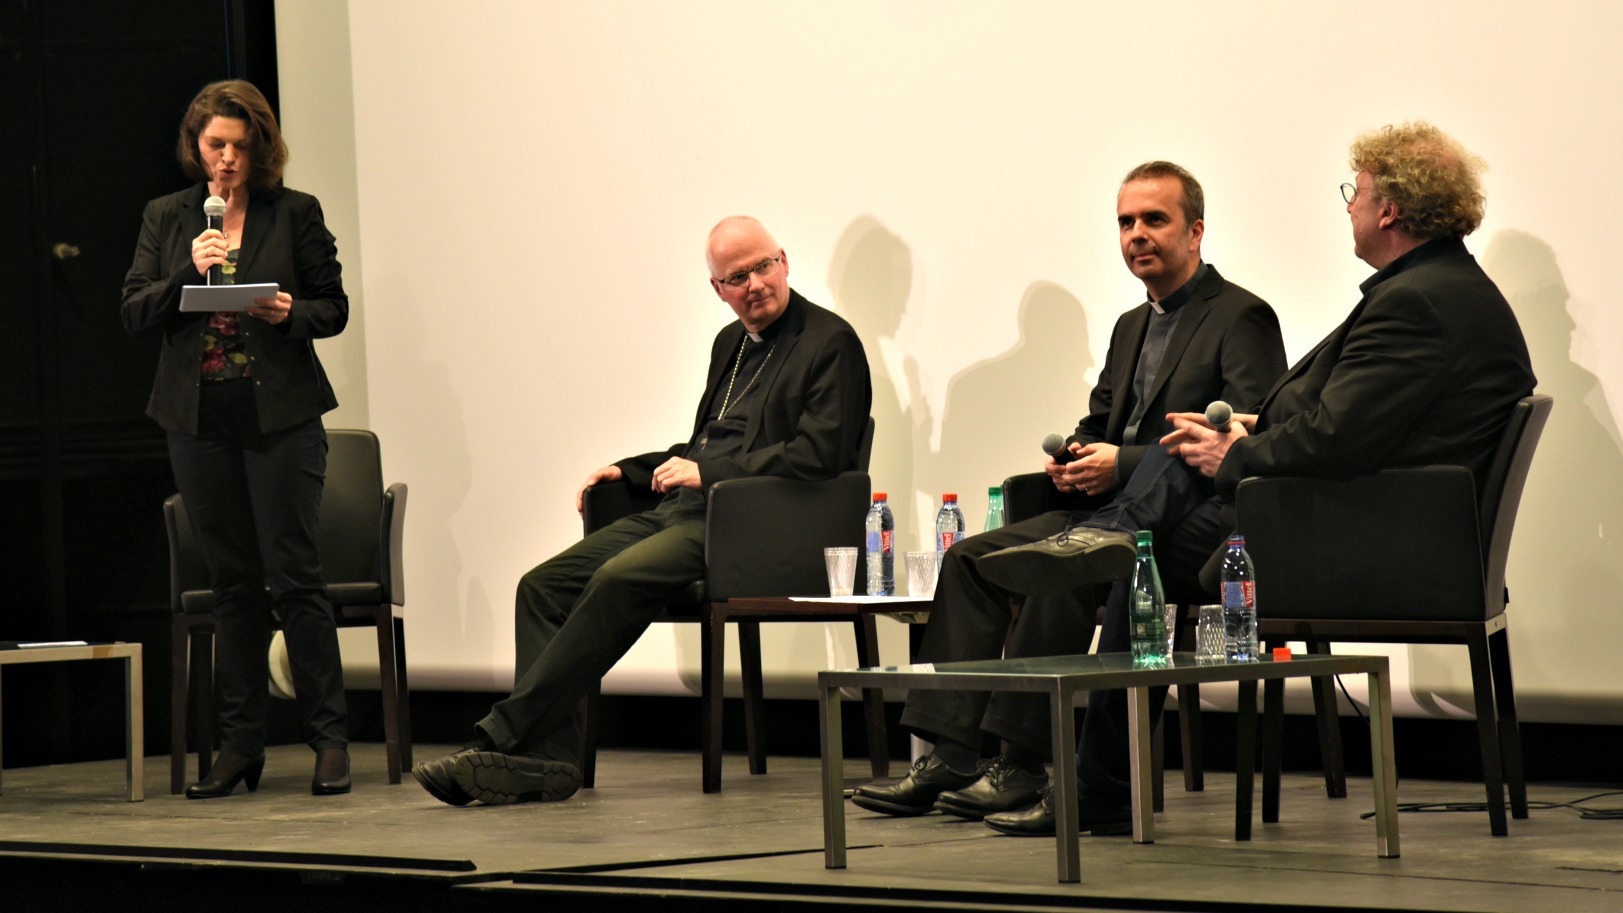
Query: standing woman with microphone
(241, 397)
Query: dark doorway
(92, 94)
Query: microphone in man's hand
(1219, 414)
(214, 212)
(1054, 446)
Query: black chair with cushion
(763, 537)
(1410, 556)
(361, 529)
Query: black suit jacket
(285, 241)
(1226, 345)
(1424, 370)
(815, 407)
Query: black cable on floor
(1577, 805)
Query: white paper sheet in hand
(195, 298)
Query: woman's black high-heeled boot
(332, 772)
(229, 769)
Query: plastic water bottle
(1239, 602)
(949, 526)
(881, 526)
(1148, 608)
(994, 507)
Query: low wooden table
(134, 723)
(1063, 678)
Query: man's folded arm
(1390, 371)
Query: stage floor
(648, 837)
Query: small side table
(1063, 678)
(134, 722)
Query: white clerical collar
(754, 337)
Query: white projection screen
(521, 190)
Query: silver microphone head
(1219, 414)
(214, 206)
(1053, 443)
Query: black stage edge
(648, 839)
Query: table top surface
(28, 652)
(901, 603)
(1114, 669)
(838, 606)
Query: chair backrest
(1421, 543)
(187, 572)
(350, 532)
(765, 536)
(1502, 492)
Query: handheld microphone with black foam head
(1054, 446)
(214, 213)
(1219, 414)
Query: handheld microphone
(214, 212)
(1054, 446)
(1219, 414)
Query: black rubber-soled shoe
(1039, 820)
(1004, 787)
(916, 793)
(503, 779)
(439, 778)
(1062, 563)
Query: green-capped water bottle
(994, 508)
(1148, 608)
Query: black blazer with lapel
(284, 241)
(815, 407)
(1423, 371)
(1225, 346)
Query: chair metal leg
(383, 620)
(1327, 715)
(1487, 725)
(873, 699)
(179, 641)
(1158, 763)
(1273, 746)
(749, 661)
(1194, 766)
(402, 692)
(1510, 737)
(592, 711)
(203, 718)
(1194, 779)
(1245, 759)
(712, 649)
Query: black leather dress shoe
(439, 778)
(915, 794)
(495, 778)
(1038, 820)
(1004, 787)
(1060, 564)
(228, 770)
(332, 773)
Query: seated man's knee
(537, 591)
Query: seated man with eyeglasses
(787, 394)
